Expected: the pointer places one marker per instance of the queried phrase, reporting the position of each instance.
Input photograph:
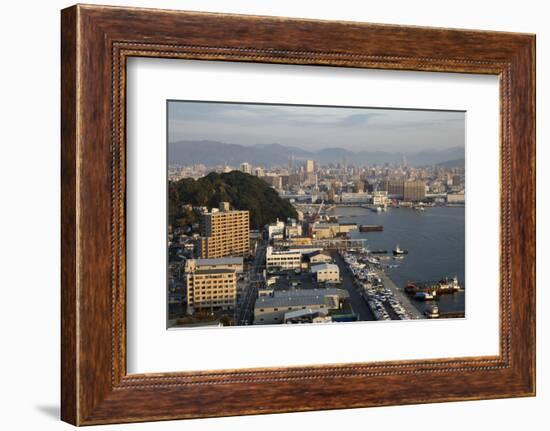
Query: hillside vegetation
(242, 191)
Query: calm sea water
(434, 238)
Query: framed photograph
(264, 215)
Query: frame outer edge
(87, 397)
(69, 196)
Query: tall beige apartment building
(224, 233)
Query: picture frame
(96, 42)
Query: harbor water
(434, 238)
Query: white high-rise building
(246, 168)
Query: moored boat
(398, 251)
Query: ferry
(398, 251)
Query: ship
(433, 287)
(378, 251)
(371, 228)
(397, 251)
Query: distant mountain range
(212, 153)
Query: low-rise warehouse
(272, 309)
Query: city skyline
(287, 233)
(314, 128)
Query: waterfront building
(326, 273)
(380, 198)
(331, 230)
(359, 197)
(393, 187)
(224, 233)
(211, 289)
(455, 198)
(414, 190)
(272, 309)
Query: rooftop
(215, 271)
(300, 298)
(220, 261)
(324, 267)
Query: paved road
(245, 312)
(358, 304)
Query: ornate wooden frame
(95, 42)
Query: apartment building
(211, 289)
(224, 233)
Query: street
(358, 304)
(245, 308)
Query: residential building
(455, 198)
(246, 168)
(211, 289)
(310, 166)
(224, 233)
(235, 263)
(274, 181)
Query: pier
(401, 296)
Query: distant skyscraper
(403, 161)
(259, 172)
(310, 166)
(246, 168)
(290, 163)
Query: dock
(401, 296)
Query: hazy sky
(314, 128)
